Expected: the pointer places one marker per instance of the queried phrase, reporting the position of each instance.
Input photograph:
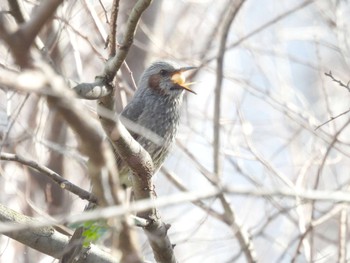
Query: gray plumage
(152, 116)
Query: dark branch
(44, 80)
(114, 63)
(112, 38)
(16, 11)
(112, 66)
(21, 40)
(63, 183)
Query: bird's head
(165, 78)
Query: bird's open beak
(178, 78)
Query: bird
(152, 116)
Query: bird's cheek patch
(154, 81)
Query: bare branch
(329, 148)
(338, 81)
(180, 198)
(332, 119)
(21, 40)
(114, 63)
(261, 28)
(343, 227)
(63, 183)
(93, 91)
(112, 38)
(130, 151)
(46, 239)
(112, 66)
(141, 164)
(176, 181)
(231, 14)
(16, 11)
(93, 142)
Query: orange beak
(178, 78)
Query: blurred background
(274, 106)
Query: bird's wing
(133, 110)
(130, 115)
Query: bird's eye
(163, 72)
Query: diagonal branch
(86, 90)
(181, 186)
(113, 65)
(141, 165)
(62, 182)
(101, 167)
(260, 29)
(339, 82)
(46, 239)
(321, 196)
(44, 80)
(21, 40)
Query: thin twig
(329, 148)
(176, 181)
(329, 74)
(12, 122)
(332, 118)
(81, 35)
(113, 65)
(316, 184)
(202, 169)
(260, 28)
(104, 10)
(97, 23)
